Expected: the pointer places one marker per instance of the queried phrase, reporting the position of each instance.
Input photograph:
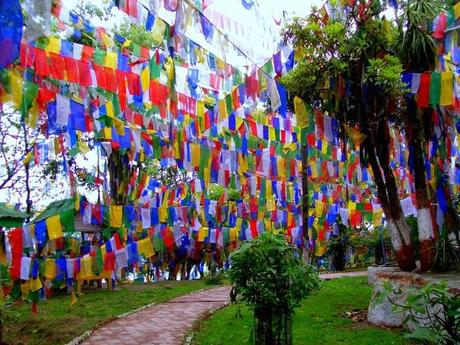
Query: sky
(261, 35)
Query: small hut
(11, 218)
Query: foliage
(436, 313)
(7, 315)
(319, 320)
(269, 275)
(415, 45)
(137, 34)
(386, 74)
(89, 10)
(447, 256)
(268, 272)
(215, 191)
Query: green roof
(10, 218)
(56, 207)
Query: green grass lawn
(57, 322)
(319, 321)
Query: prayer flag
(11, 24)
(53, 224)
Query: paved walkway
(329, 276)
(168, 323)
(162, 324)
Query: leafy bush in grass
(269, 275)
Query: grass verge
(58, 322)
(319, 320)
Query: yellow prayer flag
(158, 30)
(351, 206)
(271, 133)
(145, 247)
(324, 146)
(239, 223)
(85, 267)
(25, 288)
(108, 42)
(447, 88)
(109, 109)
(35, 284)
(377, 217)
(206, 174)
(50, 269)
(200, 108)
(268, 225)
(270, 204)
(103, 250)
(195, 151)
(162, 214)
(27, 158)
(300, 112)
(107, 131)
(119, 126)
(232, 234)
(53, 224)
(116, 216)
(222, 110)
(319, 207)
(457, 10)
(202, 234)
(16, 88)
(54, 45)
(165, 199)
(145, 79)
(111, 60)
(261, 213)
(243, 164)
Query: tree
(348, 68)
(270, 276)
(417, 51)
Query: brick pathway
(329, 276)
(162, 324)
(168, 323)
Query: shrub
(269, 275)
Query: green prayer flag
(136, 49)
(155, 70)
(67, 220)
(229, 104)
(435, 88)
(99, 56)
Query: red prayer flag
(85, 74)
(133, 84)
(15, 238)
(57, 66)
(109, 261)
(87, 53)
(100, 76)
(424, 91)
(110, 79)
(71, 68)
(41, 63)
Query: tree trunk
(388, 197)
(272, 326)
(424, 220)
